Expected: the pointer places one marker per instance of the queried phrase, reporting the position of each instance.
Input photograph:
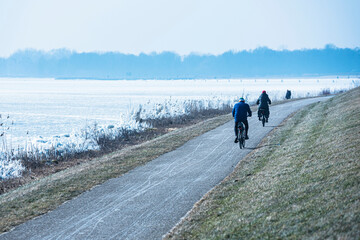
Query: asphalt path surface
(148, 201)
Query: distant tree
(260, 62)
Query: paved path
(149, 200)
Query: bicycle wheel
(240, 139)
(263, 121)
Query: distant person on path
(264, 102)
(240, 113)
(288, 94)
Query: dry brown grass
(308, 187)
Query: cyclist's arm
(249, 111)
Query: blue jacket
(241, 111)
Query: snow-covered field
(48, 113)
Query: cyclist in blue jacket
(240, 113)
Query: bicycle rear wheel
(241, 135)
(243, 142)
(263, 121)
(240, 139)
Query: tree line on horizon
(260, 62)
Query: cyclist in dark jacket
(264, 102)
(240, 113)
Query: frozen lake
(47, 107)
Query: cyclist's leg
(267, 114)
(246, 123)
(259, 114)
(236, 128)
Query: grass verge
(308, 187)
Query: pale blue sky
(182, 26)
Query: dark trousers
(267, 112)
(237, 127)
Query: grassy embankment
(306, 188)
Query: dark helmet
(242, 99)
(263, 91)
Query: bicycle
(262, 118)
(241, 135)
